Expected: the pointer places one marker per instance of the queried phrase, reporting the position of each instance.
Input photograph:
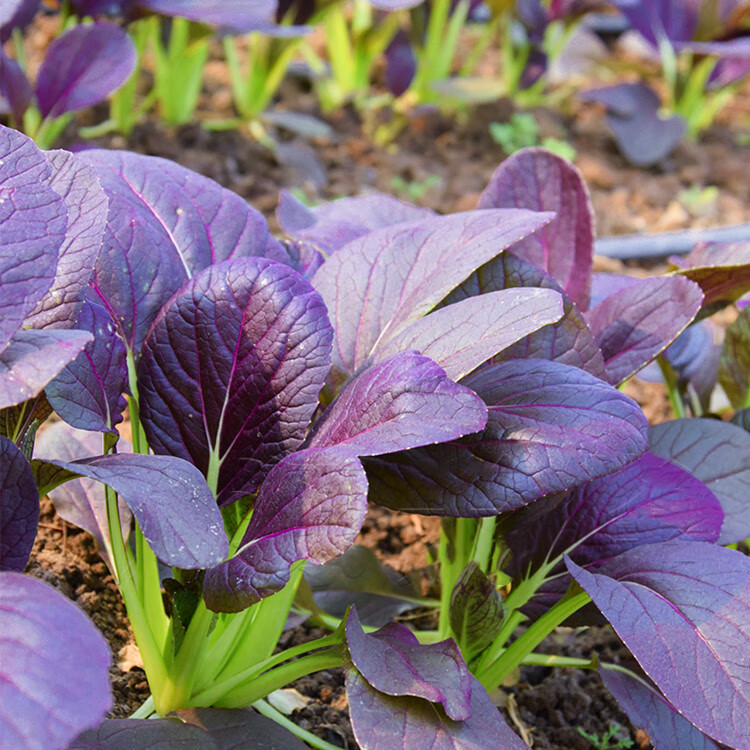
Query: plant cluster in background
(465, 366)
(388, 58)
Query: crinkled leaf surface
(734, 362)
(19, 507)
(649, 710)
(233, 366)
(155, 734)
(54, 666)
(33, 358)
(541, 181)
(80, 501)
(241, 729)
(721, 269)
(394, 662)
(358, 578)
(718, 454)
(568, 341)
(86, 205)
(331, 225)
(387, 279)
(683, 608)
(476, 610)
(32, 228)
(82, 67)
(88, 393)
(637, 323)
(166, 223)
(170, 500)
(550, 428)
(462, 336)
(303, 256)
(386, 722)
(311, 505)
(647, 502)
(402, 403)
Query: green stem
(514, 655)
(145, 710)
(673, 388)
(484, 542)
(262, 707)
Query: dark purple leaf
(241, 729)
(672, 20)
(730, 68)
(101, 7)
(734, 364)
(33, 358)
(16, 14)
(541, 181)
(569, 341)
(77, 184)
(402, 403)
(232, 368)
(332, 225)
(165, 224)
(170, 500)
(88, 392)
(20, 422)
(649, 501)
(19, 507)
(32, 228)
(154, 734)
(476, 610)
(550, 428)
(79, 501)
(636, 324)
(15, 88)
(387, 279)
(82, 67)
(718, 454)
(311, 506)
(536, 67)
(683, 610)
(650, 711)
(462, 336)
(385, 722)
(394, 662)
(358, 578)
(400, 64)
(304, 257)
(54, 666)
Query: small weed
(608, 740)
(697, 197)
(414, 190)
(522, 131)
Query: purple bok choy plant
(556, 503)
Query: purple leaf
(650, 711)
(54, 666)
(157, 734)
(19, 507)
(683, 608)
(32, 228)
(80, 501)
(16, 14)
(649, 501)
(568, 341)
(332, 225)
(550, 428)
(170, 500)
(734, 374)
(311, 506)
(15, 88)
(673, 20)
(394, 662)
(718, 454)
(82, 67)
(402, 403)
(86, 204)
(400, 64)
(541, 181)
(165, 224)
(232, 368)
(304, 257)
(88, 392)
(636, 324)
(604, 285)
(385, 722)
(462, 336)
(33, 358)
(721, 269)
(381, 282)
(237, 15)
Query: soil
(450, 160)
